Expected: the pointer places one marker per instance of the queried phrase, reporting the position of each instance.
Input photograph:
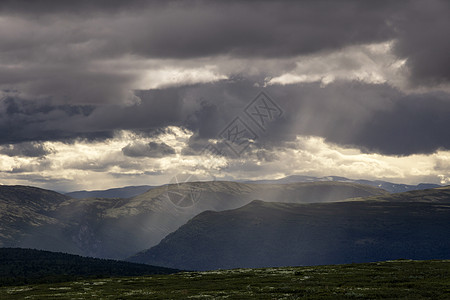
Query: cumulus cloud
(371, 63)
(151, 149)
(101, 164)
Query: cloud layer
(66, 51)
(372, 117)
(371, 76)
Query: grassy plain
(400, 279)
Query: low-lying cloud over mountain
(136, 90)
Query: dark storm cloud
(27, 120)
(25, 149)
(69, 84)
(414, 124)
(58, 74)
(67, 32)
(80, 6)
(151, 149)
(422, 38)
(373, 118)
(267, 29)
(62, 49)
(376, 118)
(203, 28)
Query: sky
(102, 94)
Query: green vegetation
(385, 280)
(26, 266)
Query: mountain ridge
(117, 228)
(122, 192)
(272, 234)
(386, 185)
(132, 191)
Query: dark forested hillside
(25, 266)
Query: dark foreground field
(401, 279)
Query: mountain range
(120, 227)
(413, 225)
(132, 191)
(386, 185)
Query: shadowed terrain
(402, 279)
(410, 225)
(28, 266)
(120, 227)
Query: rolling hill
(385, 185)
(23, 209)
(117, 228)
(123, 192)
(414, 225)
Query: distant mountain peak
(388, 186)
